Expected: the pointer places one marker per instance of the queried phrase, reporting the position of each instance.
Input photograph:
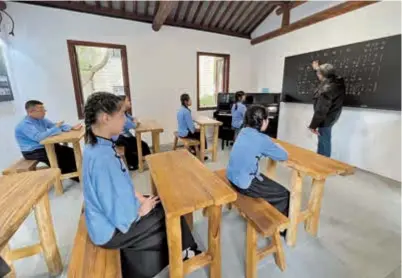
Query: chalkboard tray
(371, 69)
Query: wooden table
(72, 136)
(185, 185)
(203, 122)
(19, 193)
(147, 126)
(305, 162)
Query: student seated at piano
(186, 127)
(34, 128)
(117, 216)
(250, 146)
(128, 140)
(238, 112)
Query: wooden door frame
(79, 97)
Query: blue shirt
(109, 196)
(128, 124)
(185, 122)
(249, 147)
(29, 132)
(238, 114)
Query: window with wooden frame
(97, 67)
(212, 78)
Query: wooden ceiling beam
(197, 12)
(335, 11)
(293, 4)
(189, 6)
(259, 10)
(265, 13)
(178, 10)
(215, 14)
(286, 14)
(165, 8)
(230, 10)
(236, 15)
(246, 14)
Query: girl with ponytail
(238, 112)
(117, 216)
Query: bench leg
(197, 152)
(155, 142)
(173, 229)
(78, 158)
(47, 236)
(294, 207)
(202, 143)
(5, 254)
(215, 144)
(314, 207)
(214, 240)
(175, 142)
(139, 150)
(51, 154)
(251, 252)
(279, 254)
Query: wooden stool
(188, 143)
(22, 165)
(91, 261)
(267, 221)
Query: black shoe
(206, 158)
(283, 233)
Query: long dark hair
(255, 115)
(97, 103)
(183, 99)
(238, 97)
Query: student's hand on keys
(77, 127)
(59, 124)
(148, 205)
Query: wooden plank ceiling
(233, 18)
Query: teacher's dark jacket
(328, 101)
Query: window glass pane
(100, 70)
(211, 79)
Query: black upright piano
(223, 113)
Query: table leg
(215, 143)
(51, 155)
(5, 254)
(173, 229)
(271, 169)
(251, 251)
(190, 220)
(47, 237)
(214, 240)
(314, 207)
(139, 150)
(294, 207)
(202, 142)
(78, 158)
(155, 142)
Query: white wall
(162, 65)
(369, 139)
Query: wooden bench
(267, 221)
(22, 165)
(188, 143)
(90, 261)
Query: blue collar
(105, 141)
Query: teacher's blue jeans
(324, 141)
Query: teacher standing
(328, 100)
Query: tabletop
(148, 125)
(18, 194)
(313, 164)
(65, 137)
(204, 120)
(184, 184)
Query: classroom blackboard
(371, 69)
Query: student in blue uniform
(117, 216)
(250, 146)
(238, 112)
(186, 128)
(129, 141)
(34, 128)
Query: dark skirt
(4, 268)
(143, 249)
(131, 150)
(65, 158)
(270, 190)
